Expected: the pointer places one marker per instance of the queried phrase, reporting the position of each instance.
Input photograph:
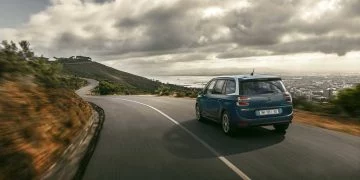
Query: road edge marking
(220, 157)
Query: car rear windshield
(261, 86)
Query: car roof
(246, 77)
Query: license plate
(268, 112)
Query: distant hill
(136, 84)
(94, 70)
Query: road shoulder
(75, 158)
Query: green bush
(177, 91)
(179, 94)
(304, 104)
(163, 90)
(109, 88)
(349, 100)
(73, 82)
(193, 93)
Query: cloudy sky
(192, 37)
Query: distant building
(330, 93)
(319, 93)
(83, 58)
(320, 99)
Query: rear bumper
(264, 121)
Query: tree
(10, 61)
(25, 50)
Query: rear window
(257, 87)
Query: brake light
(287, 97)
(243, 101)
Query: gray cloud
(167, 59)
(243, 52)
(339, 45)
(352, 8)
(189, 30)
(103, 1)
(262, 24)
(167, 27)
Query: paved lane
(135, 144)
(138, 142)
(304, 152)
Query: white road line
(221, 158)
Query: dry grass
(327, 122)
(36, 125)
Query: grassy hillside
(39, 112)
(36, 125)
(100, 72)
(113, 81)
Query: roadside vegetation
(346, 104)
(177, 91)
(106, 87)
(340, 114)
(39, 111)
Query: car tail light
(243, 101)
(287, 97)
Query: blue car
(245, 101)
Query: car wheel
(198, 113)
(281, 128)
(227, 128)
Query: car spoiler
(261, 79)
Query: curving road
(84, 91)
(141, 140)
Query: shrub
(163, 90)
(177, 91)
(349, 101)
(46, 73)
(22, 61)
(11, 60)
(178, 94)
(303, 104)
(108, 88)
(72, 82)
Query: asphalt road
(139, 142)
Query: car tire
(227, 128)
(281, 128)
(199, 117)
